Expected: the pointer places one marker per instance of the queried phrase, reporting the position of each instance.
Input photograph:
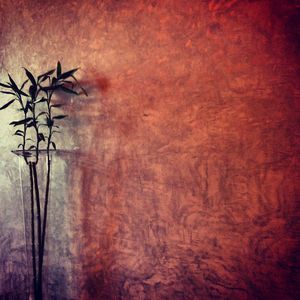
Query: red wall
(186, 182)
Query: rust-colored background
(181, 180)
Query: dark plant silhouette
(34, 98)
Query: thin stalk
(33, 233)
(39, 227)
(48, 180)
(46, 204)
(50, 117)
(37, 132)
(25, 129)
(25, 126)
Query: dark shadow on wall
(89, 173)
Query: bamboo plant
(34, 98)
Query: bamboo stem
(46, 204)
(33, 232)
(39, 229)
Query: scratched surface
(182, 176)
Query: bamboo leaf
(84, 91)
(42, 113)
(41, 100)
(69, 91)
(31, 124)
(44, 78)
(20, 122)
(8, 93)
(59, 117)
(73, 76)
(67, 74)
(15, 87)
(23, 84)
(19, 132)
(58, 69)
(26, 153)
(56, 105)
(56, 131)
(31, 77)
(68, 82)
(5, 85)
(48, 73)
(51, 87)
(7, 104)
(53, 144)
(23, 93)
(32, 91)
(13, 84)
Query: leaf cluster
(34, 99)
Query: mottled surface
(182, 182)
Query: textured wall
(183, 179)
